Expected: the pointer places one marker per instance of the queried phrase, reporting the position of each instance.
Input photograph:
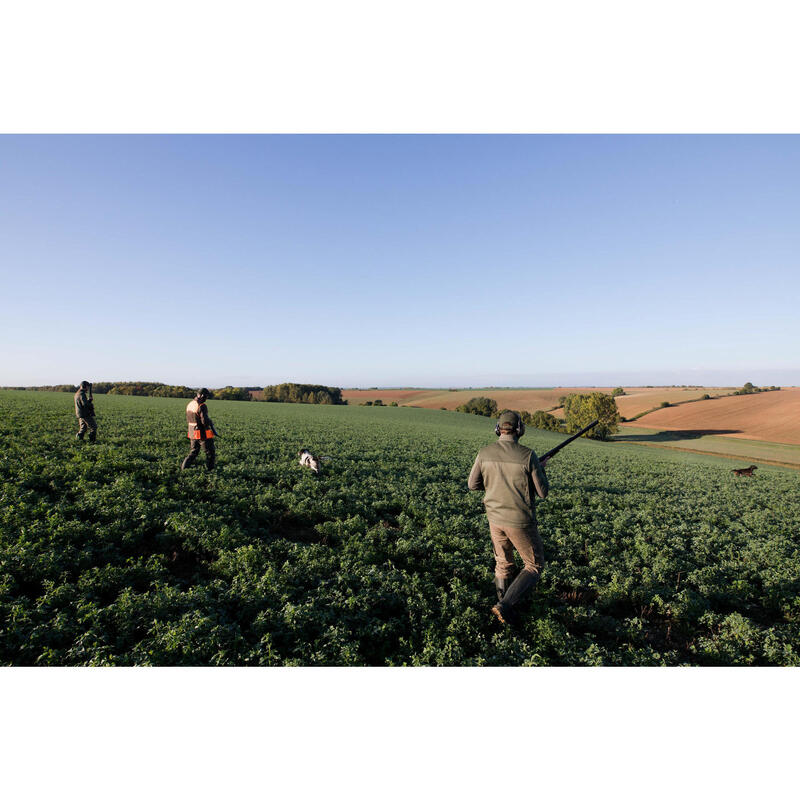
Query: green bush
(232, 393)
(482, 406)
(581, 409)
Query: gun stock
(550, 453)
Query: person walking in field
(84, 411)
(510, 474)
(201, 431)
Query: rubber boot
(92, 436)
(523, 583)
(79, 437)
(502, 584)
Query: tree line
(302, 393)
(280, 393)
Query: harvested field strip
(636, 401)
(740, 458)
(449, 399)
(402, 396)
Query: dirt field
(769, 416)
(518, 399)
(636, 399)
(401, 396)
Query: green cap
(508, 420)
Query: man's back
(83, 405)
(510, 474)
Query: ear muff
(518, 431)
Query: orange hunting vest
(193, 418)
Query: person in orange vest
(201, 430)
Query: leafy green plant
(110, 555)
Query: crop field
(769, 416)
(110, 555)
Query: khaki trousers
(526, 541)
(87, 424)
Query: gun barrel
(551, 453)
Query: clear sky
(400, 260)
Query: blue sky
(400, 260)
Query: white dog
(310, 461)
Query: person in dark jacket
(201, 431)
(511, 475)
(84, 411)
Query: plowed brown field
(402, 396)
(518, 399)
(768, 416)
(635, 400)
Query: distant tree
(617, 392)
(664, 404)
(302, 393)
(393, 404)
(378, 402)
(706, 397)
(482, 406)
(581, 409)
(542, 420)
(232, 393)
(748, 388)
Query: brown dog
(748, 471)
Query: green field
(110, 555)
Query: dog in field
(748, 471)
(309, 460)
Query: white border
(415, 66)
(398, 733)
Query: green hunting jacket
(511, 475)
(84, 407)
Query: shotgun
(550, 453)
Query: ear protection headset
(518, 431)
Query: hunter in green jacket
(511, 476)
(84, 411)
